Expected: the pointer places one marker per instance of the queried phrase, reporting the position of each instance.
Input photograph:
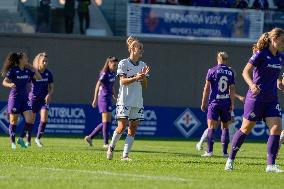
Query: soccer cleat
(273, 169)
(207, 154)
(126, 158)
(38, 142)
(89, 140)
(229, 165)
(13, 146)
(225, 155)
(28, 144)
(110, 153)
(105, 146)
(21, 142)
(199, 146)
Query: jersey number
(223, 84)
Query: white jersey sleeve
(122, 68)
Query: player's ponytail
(265, 39)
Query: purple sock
(12, 133)
(272, 148)
(29, 133)
(225, 140)
(96, 131)
(238, 140)
(106, 126)
(210, 140)
(41, 129)
(24, 130)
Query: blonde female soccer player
(132, 74)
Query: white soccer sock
(204, 136)
(115, 139)
(127, 145)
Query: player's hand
(47, 99)
(203, 107)
(255, 89)
(12, 85)
(280, 86)
(145, 70)
(139, 76)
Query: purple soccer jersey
(18, 97)
(39, 88)
(220, 77)
(265, 75)
(105, 91)
(20, 78)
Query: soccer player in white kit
(132, 74)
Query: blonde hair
(37, 58)
(265, 39)
(223, 56)
(131, 41)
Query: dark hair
(109, 59)
(12, 60)
(265, 39)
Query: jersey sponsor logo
(42, 80)
(224, 96)
(187, 123)
(276, 66)
(268, 57)
(23, 77)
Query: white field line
(149, 177)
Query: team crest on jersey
(46, 74)
(252, 115)
(4, 119)
(187, 123)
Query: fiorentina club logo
(187, 123)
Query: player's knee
(131, 132)
(120, 129)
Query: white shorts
(130, 113)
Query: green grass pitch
(167, 164)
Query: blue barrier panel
(194, 22)
(181, 122)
